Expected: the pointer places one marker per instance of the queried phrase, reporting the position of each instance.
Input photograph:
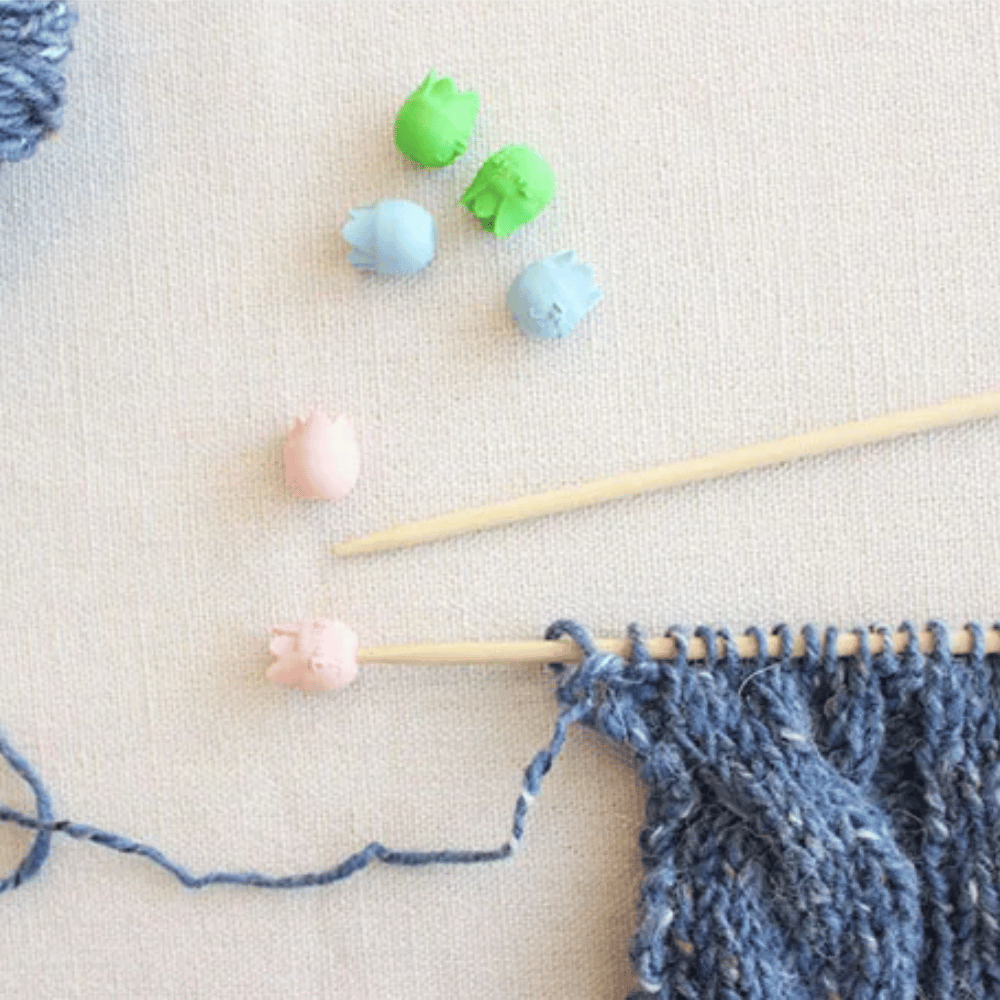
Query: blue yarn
(817, 826)
(44, 826)
(34, 44)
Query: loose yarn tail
(44, 826)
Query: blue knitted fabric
(818, 827)
(34, 44)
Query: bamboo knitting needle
(692, 470)
(330, 656)
(567, 651)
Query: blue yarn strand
(39, 851)
(44, 826)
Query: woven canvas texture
(793, 212)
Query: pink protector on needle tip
(317, 655)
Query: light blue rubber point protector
(391, 237)
(550, 297)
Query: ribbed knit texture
(817, 827)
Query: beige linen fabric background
(793, 210)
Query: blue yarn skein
(817, 826)
(34, 44)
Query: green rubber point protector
(511, 188)
(434, 124)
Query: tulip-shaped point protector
(317, 655)
(434, 124)
(511, 188)
(322, 459)
(548, 298)
(391, 237)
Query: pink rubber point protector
(321, 457)
(317, 655)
